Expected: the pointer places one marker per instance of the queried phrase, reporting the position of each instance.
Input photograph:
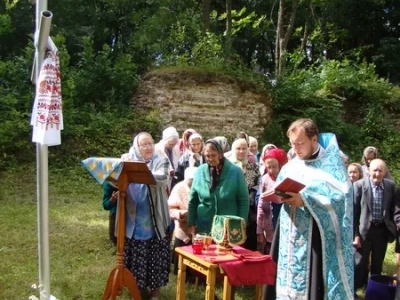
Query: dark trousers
(251, 240)
(374, 245)
(111, 228)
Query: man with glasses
(315, 259)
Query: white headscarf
(170, 132)
(195, 157)
(134, 151)
(233, 158)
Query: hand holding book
(282, 189)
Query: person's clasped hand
(357, 242)
(295, 200)
(261, 239)
(183, 216)
(114, 197)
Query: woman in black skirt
(147, 243)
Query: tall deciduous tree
(228, 31)
(284, 32)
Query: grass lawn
(81, 257)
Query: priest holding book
(315, 258)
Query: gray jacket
(363, 207)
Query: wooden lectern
(120, 276)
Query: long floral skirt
(149, 261)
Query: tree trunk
(306, 30)
(228, 40)
(206, 15)
(282, 36)
(279, 31)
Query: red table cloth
(242, 266)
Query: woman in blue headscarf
(147, 250)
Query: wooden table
(210, 270)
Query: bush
(348, 100)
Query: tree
(282, 34)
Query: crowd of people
(326, 239)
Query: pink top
(264, 209)
(178, 207)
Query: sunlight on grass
(81, 257)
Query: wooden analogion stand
(132, 172)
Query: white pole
(43, 21)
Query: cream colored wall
(212, 108)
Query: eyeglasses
(148, 145)
(297, 144)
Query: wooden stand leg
(120, 276)
(210, 289)
(181, 281)
(259, 291)
(227, 289)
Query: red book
(287, 185)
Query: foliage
(342, 97)
(106, 46)
(96, 111)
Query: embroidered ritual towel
(47, 118)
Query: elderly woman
(369, 154)
(183, 143)
(178, 210)
(269, 205)
(192, 156)
(253, 147)
(147, 244)
(219, 188)
(223, 141)
(168, 148)
(355, 172)
(265, 149)
(252, 174)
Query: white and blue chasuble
(328, 199)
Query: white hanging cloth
(47, 117)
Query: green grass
(81, 257)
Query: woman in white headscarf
(178, 203)
(147, 243)
(192, 157)
(370, 153)
(168, 147)
(252, 174)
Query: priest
(315, 257)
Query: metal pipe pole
(43, 22)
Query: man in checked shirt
(374, 227)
